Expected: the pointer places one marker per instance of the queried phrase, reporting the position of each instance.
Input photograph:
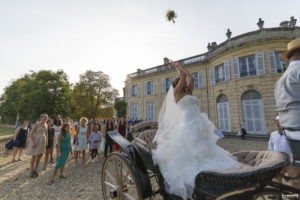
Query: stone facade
(259, 45)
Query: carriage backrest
(139, 127)
(145, 139)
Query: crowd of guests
(67, 137)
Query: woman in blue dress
(64, 149)
(81, 139)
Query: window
(253, 112)
(134, 111)
(249, 66)
(198, 79)
(150, 111)
(166, 83)
(220, 74)
(149, 88)
(195, 76)
(275, 65)
(223, 113)
(134, 90)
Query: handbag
(9, 145)
(17, 142)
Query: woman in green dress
(64, 149)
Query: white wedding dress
(186, 145)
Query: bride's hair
(175, 82)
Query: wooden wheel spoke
(127, 196)
(128, 187)
(110, 185)
(110, 177)
(121, 170)
(117, 173)
(126, 176)
(118, 177)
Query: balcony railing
(163, 68)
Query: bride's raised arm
(190, 86)
(182, 76)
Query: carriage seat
(256, 167)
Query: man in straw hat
(287, 91)
(278, 140)
(287, 97)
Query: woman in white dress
(186, 143)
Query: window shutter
(153, 111)
(212, 76)
(137, 111)
(145, 88)
(227, 70)
(281, 63)
(236, 68)
(200, 79)
(163, 82)
(152, 87)
(227, 116)
(219, 115)
(130, 91)
(272, 62)
(138, 90)
(260, 63)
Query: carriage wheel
(119, 180)
(267, 194)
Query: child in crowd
(95, 139)
(64, 149)
(49, 147)
(81, 139)
(130, 130)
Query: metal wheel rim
(118, 181)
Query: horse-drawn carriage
(133, 175)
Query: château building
(234, 81)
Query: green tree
(39, 92)
(10, 101)
(92, 95)
(120, 107)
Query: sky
(119, 36)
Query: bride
(186, 143)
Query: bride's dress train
(188, 146)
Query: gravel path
(83, 181)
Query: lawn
(6, 131)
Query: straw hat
(292, 45)
(277, 118)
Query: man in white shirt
(278, 140)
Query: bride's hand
(172, 64)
